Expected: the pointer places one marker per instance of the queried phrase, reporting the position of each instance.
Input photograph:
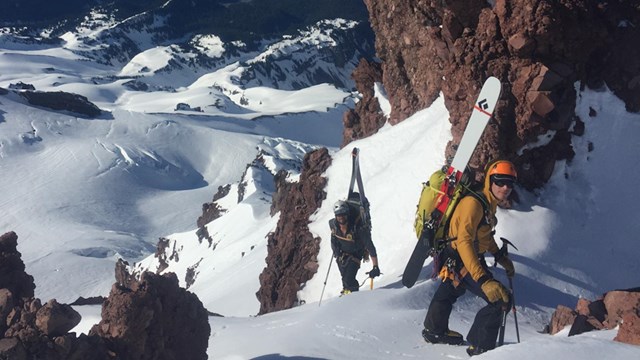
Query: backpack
(359, 210)
(359, 213)
(427, 229)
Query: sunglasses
(507, 183)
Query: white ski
(482, 112)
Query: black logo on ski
(482, 106)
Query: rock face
(615, 308)
(29, 330)
(538, 48)
(366, 118)
(152, 318)
(292, 250)
(63, 101)
(13, 278)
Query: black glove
(507, 264)
(375, 272)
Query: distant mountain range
(247, 21)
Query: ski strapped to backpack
(357, 199)
(447, 186)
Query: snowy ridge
(231, 255)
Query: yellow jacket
(471, 238)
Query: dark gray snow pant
(485, 327)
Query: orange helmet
(502, 170)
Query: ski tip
(354, 152)
(493, 84)
(493, 79)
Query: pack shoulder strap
(484, 202)
(485, 210)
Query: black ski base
(415, 263)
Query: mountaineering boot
(449, 337)
(345, 292)
(472, 350)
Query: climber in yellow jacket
(464, 267)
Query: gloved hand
(375, 271)
(507, 264)
(495, 291)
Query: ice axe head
(505, 244)
(504, 249)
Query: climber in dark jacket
(351, 243)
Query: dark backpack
(359, 211)
(359, 215)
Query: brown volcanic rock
(149, 319)
(211, 210)
(617, 64)
(537, 48)
(413, 51)
(55, 319)
(562, 317)
(29, 330)
(292, 249)
(629, 331)
(12, 274)
(619, 303)
(154, 319)
(367, 117)
(615, 308)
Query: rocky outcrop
(154, 319)
(30, 330)
(615, 308)
(13, 278)
(150, 318)
(367, 117)
(292, 249)
(538, 48)
(210, 212)
(63, 101)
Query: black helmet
(341, 208)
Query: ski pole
(515, 314)
(325, 281)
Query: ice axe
(504, 250)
